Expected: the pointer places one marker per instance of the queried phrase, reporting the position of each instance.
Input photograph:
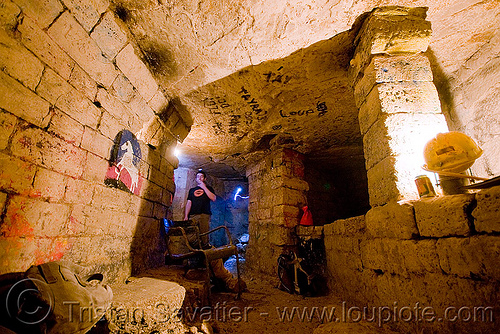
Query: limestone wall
(277, 192)
(71, 80)
(470, 99)
(439, 253)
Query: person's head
(201, 176)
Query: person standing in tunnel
(198, 211)
(198, 205)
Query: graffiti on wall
(273, 77)
(123, 173)
(216, 105)
(228, 117)
(257, 112)
(321, 110)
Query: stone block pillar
(399, 108)
(277, 192)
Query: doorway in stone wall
(231, 210)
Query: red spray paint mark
(17, 226)
(58, 250)
(15, 223)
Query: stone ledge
(146, 303)
(443, 216)
(309, 232)
(392, 220)
(349, 226)
(487, 213)
(401, 257)
(470, 257)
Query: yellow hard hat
(451, 152)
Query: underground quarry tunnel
(109, 108)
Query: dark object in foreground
(183, 241)
(54, 297)
(295, 275)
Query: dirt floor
(264, 308)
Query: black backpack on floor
(295, 275)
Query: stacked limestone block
(440, 253)
(71, 80)
(399, 108)
(277, 192)
(158, 310)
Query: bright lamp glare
(237, 194)
(177, 152)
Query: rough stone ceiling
(255, 72)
